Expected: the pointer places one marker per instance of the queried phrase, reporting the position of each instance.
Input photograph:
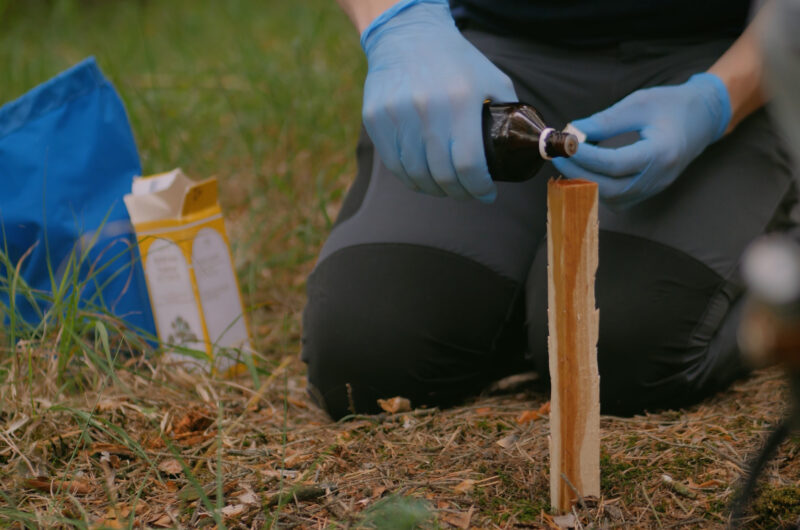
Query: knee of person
(622, 395)
(348, 351)
(646, 368)
(396, 320)
(667, 327)
(362, 339)
(655, 369)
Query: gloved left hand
(675, 124)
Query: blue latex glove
(423, 97)
(675, 124)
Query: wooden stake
(573, 328)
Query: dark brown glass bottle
(517, 141)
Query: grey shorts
(431, 298)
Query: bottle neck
(554, 143)
(517, 141)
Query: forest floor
(266, 97)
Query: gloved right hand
(423, 96)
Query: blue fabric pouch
(67, 157)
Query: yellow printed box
(189, 270)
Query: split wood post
(572, 234)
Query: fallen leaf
(195, 419)
(109, 405)
(114, 449)
(713, 483)
(363, 502)
(104, 523)
(114, 518)
(698, 439)
(153, 442)
(162, 521)
(395, 405)
(297, 403)
(532, 415)
(378, 491)
(125, 511)
(507, 441)
(46, 485)
(483, 411)
(528, 416)
(459, 520)
(249, 497)
(193, 438)
(170, 466)
(233, 510)
(465, 486)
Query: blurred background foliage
(265, 95)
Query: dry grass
(137, 452)
(266, 98)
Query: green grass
(206, 83)
(263, 95)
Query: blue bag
(67, 157)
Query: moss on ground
(619, 477)
(778, 506)
(521, 507)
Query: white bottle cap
(543, 142)
(571, 129)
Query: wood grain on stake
(573, 328)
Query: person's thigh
(667, 283)
(415, 295)
(423, 296)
